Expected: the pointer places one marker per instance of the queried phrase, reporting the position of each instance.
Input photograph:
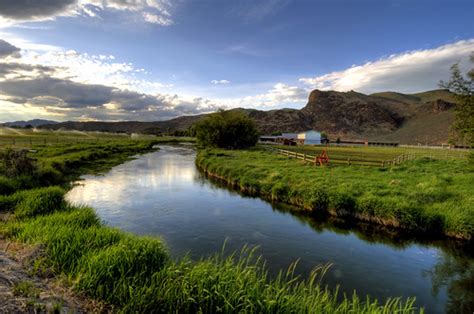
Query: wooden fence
(349, 161)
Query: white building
(310, 137)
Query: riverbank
(423, 196)
(133, 273)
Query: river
(163, 194)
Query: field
(132, 273)
(373, 156)
(425, 196)
(30, 137)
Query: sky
(152, 60)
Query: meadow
(428, 196)
(133, 273)
(374, 155)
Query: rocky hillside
(389, 116)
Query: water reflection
(163, 194)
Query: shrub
(40, 201)
(50, 176)
(227, 129)
(16, 162)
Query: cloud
(157, 19)
(33, 10)
(408, 72)
(7, 49)
(220, 82)
(278, 96)
(92, 101)
(58, 84)
(254, 11)
(18, 11)
(21, 70)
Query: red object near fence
(322, 159)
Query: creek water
(163, 194)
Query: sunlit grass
(135, 274)
(424, 195)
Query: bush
(227, 129)
(40, 201)
(14, 163)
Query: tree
(226, 129)
(463, 88)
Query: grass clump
(40, 201)
(26, 289)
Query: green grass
(134, 273)
(422, 196)
(375, 155)
(26, 289)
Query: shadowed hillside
(388, 116)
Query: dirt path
(21, 291)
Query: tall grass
(421, 196)
(135, 273)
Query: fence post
(349, 161)
(304, 157)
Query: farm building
(289, 136)
(310, 137)
(285, 139)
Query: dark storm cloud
(7, 49)
(31, 9)
(97, 101)
(74, 95)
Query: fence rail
(349, 161)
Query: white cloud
(408, 72)
(220, 82)
(280, 95)
(157, 19)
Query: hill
(34, 123)
(389, 116)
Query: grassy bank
(135, 274)
(421, 196)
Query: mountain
(389, 116)
(34, 123)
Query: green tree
(226, 129)
(463, 88)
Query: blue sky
(157, 59)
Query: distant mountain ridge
(34, 123)
(388, 116)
